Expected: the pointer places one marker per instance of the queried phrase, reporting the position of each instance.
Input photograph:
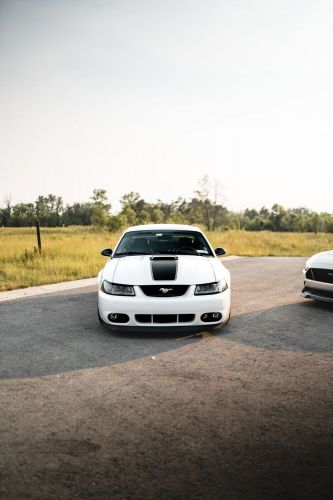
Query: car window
(163, 242)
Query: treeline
(202, 209)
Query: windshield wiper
(122, 254)
(176, 252)
(183, 252)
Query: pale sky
(150, 95)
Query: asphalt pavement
(244, 412)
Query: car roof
(163, 227)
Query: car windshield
(163, 242)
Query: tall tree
(100, 208)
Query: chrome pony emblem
(165, 290)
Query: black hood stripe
(164, 270)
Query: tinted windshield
(163, 242)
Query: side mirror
(107, 252)
(219, 251)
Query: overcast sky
(150, 95)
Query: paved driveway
(56, 333)
(243, 413)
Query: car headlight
(210, 288)
(116, 289)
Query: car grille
(164, 318)
(322, 275)
(164, 290)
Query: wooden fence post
(39, 242)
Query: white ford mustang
(318, 277)
(163, 275)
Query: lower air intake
(164, 318)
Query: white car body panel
(318, 285)
(136, 270)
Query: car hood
(323, 260)
(137, 270)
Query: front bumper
(184, 305)
(318, 294)
(318, 290)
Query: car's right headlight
(117, 289)
(211, 288)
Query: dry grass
(68, 254)
(74, 253)
(260, 243)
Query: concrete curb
(25, 293)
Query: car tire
(99, 318)
(228, 319)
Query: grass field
(74, 253)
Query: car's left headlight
(116, 289)
(211, 288)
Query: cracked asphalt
(245, 412)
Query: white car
(318, 277)
(163, 275)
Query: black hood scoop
(164, 268)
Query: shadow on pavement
(61, 333)
(305, 326)
(56, 334)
